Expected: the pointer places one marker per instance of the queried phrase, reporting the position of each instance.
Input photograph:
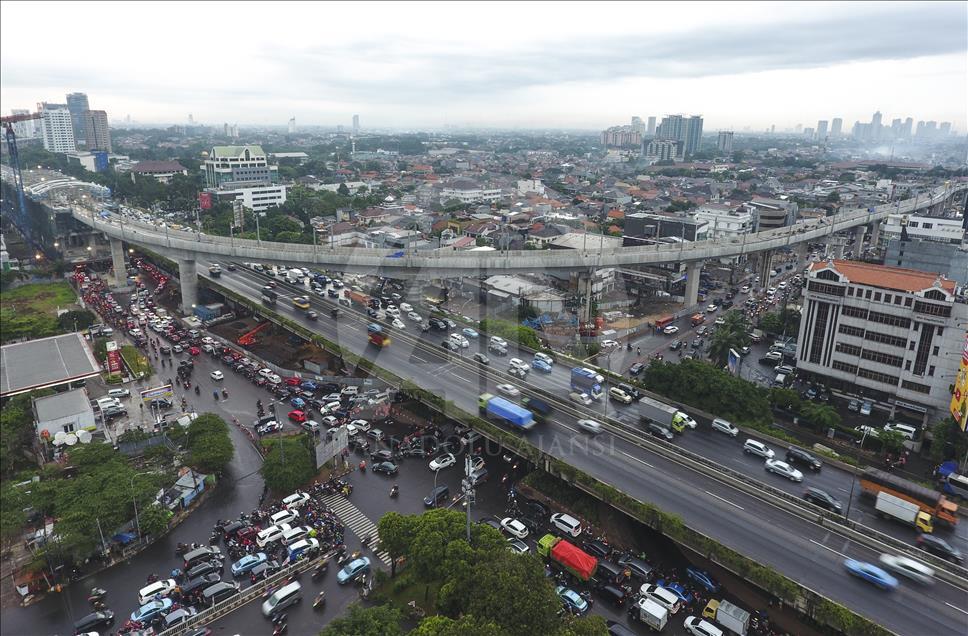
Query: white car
(724, 426)
(711, 309)
(500, 342)
(608, 344)
(580, 398)
(283, 517)
(444, 461)
(414, 316)
(745, 289)
(590, 426)
(266, 372)
(158, 588)
(217, 375)
(295, 500)
(619, 395)
(698, 627)
(357, 426)
(517, 363)
(670, 330)
(406, 307)
(783, 469)
(274, 379)
(509, 390)
(908, 567)
(398, 324)
(514, 527)
(753, 447)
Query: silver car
(907, 567)
(783, 469)
(753, 447)
(590, 426)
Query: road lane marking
(831, 549)
(641, 461)
(724, 500)
(956, 607)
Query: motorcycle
(225, 394)
(394, 491)
(320, 570)
(97, 596)
(197, 390)
(214, 538)
(215, 395)
(320, 600)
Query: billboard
(959, 393)
(157, 392)
(205, 200)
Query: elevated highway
(185, 247)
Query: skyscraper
(96, 130)
(693, 134)
(638, 125)
(821, 129)
(78, 105)
(292, 125)
(836, 126)
(896, 128)
(686, 130)
(650, 127)
(945, 129)
(670, 128)
(725, 142)
(906, 128)
(356, 125)
(919, 130)
(24, 129)
(57, 129)
(876, 129)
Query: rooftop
(158, 166)
(221, 152)
(60, 405)
(885, 277)
(37, 364)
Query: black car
(263, 571)
(387, 468)
(94, 622)
(381, 455)
(199, 583)
(450, 346)
(659, 431)
(795, 455)
(480, 357)
(596, 548)
(821, 498)
(208, 567)
(437, 496)
(637, 368)
(497, 349)
(631, 390)
(491, 521)
(939, 547)
(637, 567)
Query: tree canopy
(209, 445)
(380, 620)
(289, 463)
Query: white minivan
(544, 357)
(282, 598)
(566, 523)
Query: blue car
(297, 403)
(248, 562)
(572, 600)
(703, 579)
(541, 365)
(871, 573)
(678, 590)
(470, 333)
(309, 385)
(353, 570)
(149, 611)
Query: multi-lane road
(804, 551)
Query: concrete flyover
(186, 245)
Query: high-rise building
(356, 125)
(191, 120)
(875, 130)
(650, 126)
(836, 127)
(229, 166)
(945, 129)
(930, 129)
(26, 129)
(621, 137)
(821, 130)
(896, 128)
(663, 150)
(919, 130)
(292, 125)
(96, 130)
(725, 142)
(686, 130)
(906, 128)
(57, 130)
(78, 105)
(808, 133)
(798, 129)
(638, 125)
(772, 129)
(882, 332)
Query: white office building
(927, 228)
(257, 197)
(723, 221)
(57, 130)
(469, 191)
(887, 334)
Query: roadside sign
(164, 391)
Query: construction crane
(249, 338)
(7, 122)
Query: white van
(295, 534)
(779, 381)
(392, 311)
(270, 534)
(119, 393)
(108, 402)
(907, 431)
(544, 357)
(566, 523)
(281, 599)
(519, 364)
(662, 596)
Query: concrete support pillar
(693, 270)
(875, 234)
(585, 294)
(766, 266)
(839, 244)
(189, 285)
(117, 262)
(859, 233)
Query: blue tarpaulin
(397, 254)
(124, 538)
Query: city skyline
(839, 60)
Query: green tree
(288, 464)
(342, 190)
(833, 197)
(820, 416)
(463, 626)
(588, 625)
(76, 320)
(381, 620)
(949, 441)
(154, 520)
(891, 441)
(13, 500)
(396, 531)
(732, 334)
(786, 399)
(209, 445)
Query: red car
(194, 351)
(294, 381)
(297, 416)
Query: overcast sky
(544, 65)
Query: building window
(935, 351)
(883, 338)
(854, 312)
(843, 366)
(924, 347)
(927, 226)
(934, 294)
(907, 365)
(847, 330)
(940, 331)
(850, 350)
(882, 358)
(907, 301)
(888, 319)
(850, 291)
(69, 427)
(883, 378)
(887, 298)
(931, 309)
(823, 288)
(914, 386)
(877, 297)
(931, 371)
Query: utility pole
(468, 488)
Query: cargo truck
(357, 298)
(498, 409)
(698, 319)
(732, 617)
(887, 505)
(649, 612)
(269, 295)
(568, 557)
(932, 502)
(664, 415)
(376, 335)
(539, 408)
(585, 380)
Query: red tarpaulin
(581, 562)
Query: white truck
(649, 612)
(733, 618)
(666, 416)
(887, 505)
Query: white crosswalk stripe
(357, 522)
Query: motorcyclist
(215, 395)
